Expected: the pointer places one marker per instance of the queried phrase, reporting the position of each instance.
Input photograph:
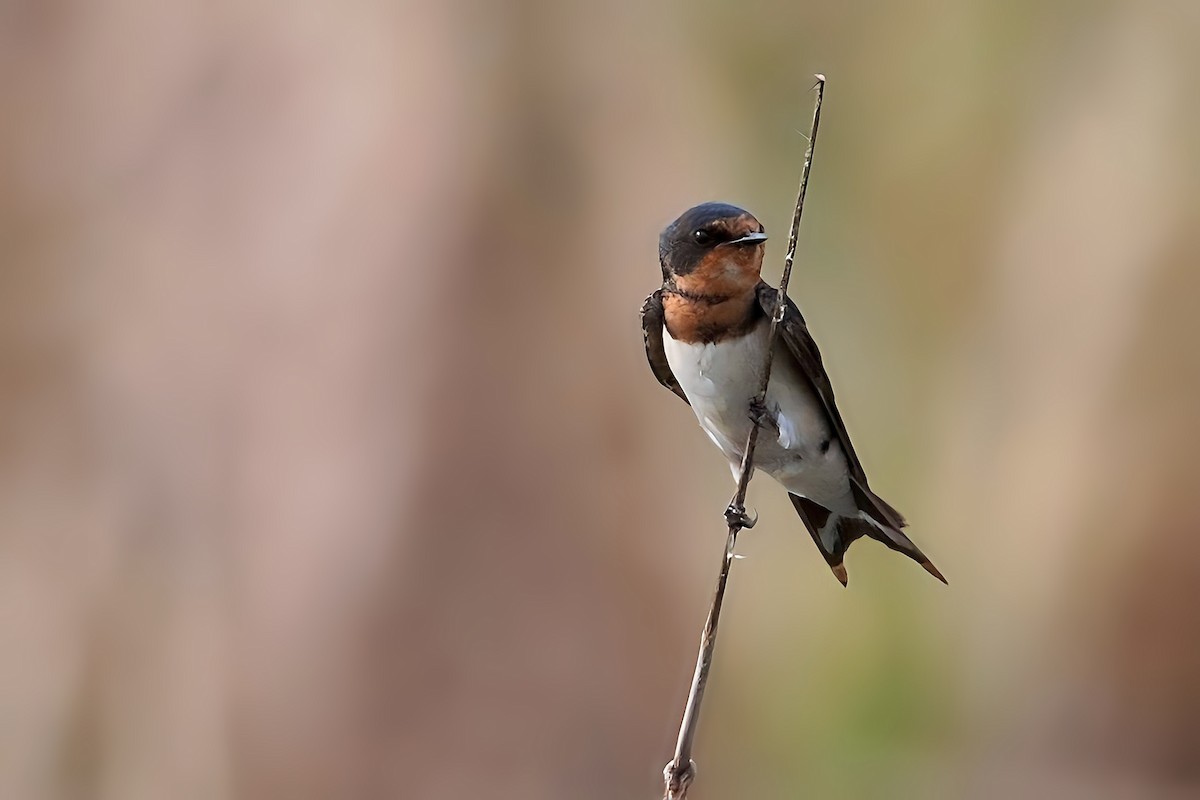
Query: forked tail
(834, 533)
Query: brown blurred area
(330, 466)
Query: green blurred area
(330, 465)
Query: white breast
(720, 380)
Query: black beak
(749, 239)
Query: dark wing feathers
(793, 331)
(652, 332)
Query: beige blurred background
(330, 466)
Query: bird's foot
(735, 516)
(678, 779)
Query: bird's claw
(738, 517)
(678, 778)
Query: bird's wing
(793, 331)
(652, 332)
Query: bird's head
(714, 249)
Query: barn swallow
(706, 333)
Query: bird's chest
(721, 378)
(717, 374)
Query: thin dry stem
(679, 772)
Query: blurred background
(331, 467)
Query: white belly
(720, 380)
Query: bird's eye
(702, 237)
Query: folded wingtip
(932, 570)
(839, 572)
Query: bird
(706, 331)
